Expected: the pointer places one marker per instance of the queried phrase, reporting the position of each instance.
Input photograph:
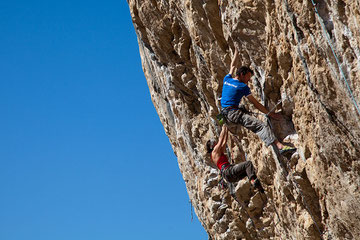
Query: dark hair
(243, 71)
(210, 145)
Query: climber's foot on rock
(257, 185)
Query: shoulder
(228, 76)
(245, 89)
(244, 85)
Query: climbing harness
(223, 182)
(221, 119)
(336, 58)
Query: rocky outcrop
(306, 56)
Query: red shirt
(222, 161)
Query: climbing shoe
(287, 149)
(257, 185)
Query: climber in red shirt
(230, 172)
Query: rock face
(305, 56)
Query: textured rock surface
(186, 48)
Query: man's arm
(262, 109)
(221, 144)
(234, 62)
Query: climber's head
(244, 74)
(210, 145)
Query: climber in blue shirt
(234, 89)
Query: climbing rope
(336, 58)
(191, 209)
(293, 180)
(271, 110)
(303, 198)
(232, 188)
(283, 166)
(232, 193)
(298, 190)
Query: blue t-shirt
(232, 92)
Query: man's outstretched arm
(262, 109)
(221, 144)
(234, 62)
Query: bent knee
(248, 163)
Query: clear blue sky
(83, 153)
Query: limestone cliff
(308, 57)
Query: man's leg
(253, 124)
(238, 171)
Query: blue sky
(83, 153)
